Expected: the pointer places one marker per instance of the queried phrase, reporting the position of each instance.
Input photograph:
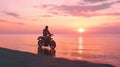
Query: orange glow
(81, 30)
(33, 19)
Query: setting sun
(81, 30)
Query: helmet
(46, 26)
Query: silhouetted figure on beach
(46, 39)
(46, 32)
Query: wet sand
(14, 58)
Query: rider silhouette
(46, 32)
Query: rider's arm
(48, 32)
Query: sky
(62, 16)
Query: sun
(81, 30)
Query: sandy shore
(14, 58)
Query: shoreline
(15, 58)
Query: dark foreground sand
(14, 58)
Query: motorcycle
(46, 41)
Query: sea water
(100, 48)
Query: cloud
(94, 1)
(12, 14)
(112, 14)
(77, 10)
(46, 16)
(2, 20)
(6, 21)
(19, 23)
(105, 29)
(99, 14)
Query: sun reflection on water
(80, 44)
(80, 47)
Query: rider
(46, 33)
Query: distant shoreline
(14, 58)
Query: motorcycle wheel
(52, 44)
(40, 43)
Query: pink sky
(62, 16)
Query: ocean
(98, 48)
